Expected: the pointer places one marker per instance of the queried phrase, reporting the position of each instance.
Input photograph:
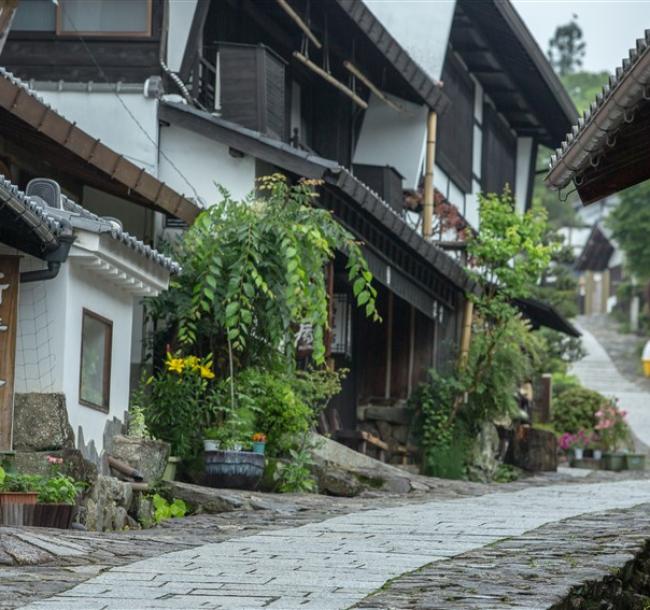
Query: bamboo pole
(297, 19)
(427, 210)
(330, 79)
(467, 332)
(350, 67)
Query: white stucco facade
(204, 163)
(525, 149)
(421, 28)
(106, 278)
(394, 138)
(103, 114)
(181, 13)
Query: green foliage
(500, 361)
(295, 475)
(559, 351)
(59, 489)
(279, 411)
(16, 482)
(583, 87)
(508, 256)
(575, 410)
(566, 49)
(178, 403)
(509, 252)
(630, 224)
(507, 474)
(164, 510)
(254, 269)
(563, 382)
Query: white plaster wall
(394, 138)
(472, 207)
(203, 162)
(40, 334)
(88, 290)
(524, 152)
(181, 13)
(136, 219)
(102, 115)
(421, 28)
(48, 344)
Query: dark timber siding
(253, 88)
(46, 56)
(456, 125)
(499, 153)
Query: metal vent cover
(48, 190)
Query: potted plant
(614, 434)
(574, 443)
(57, 496)
(211, 439)
(18, 494)
(259, 443)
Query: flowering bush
(580, 440)
(177, 402)
(613, 430)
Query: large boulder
(106, 504)
(147, 456)
(41, 423)
(335, 481)
(484, 455)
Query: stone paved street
(338, 562)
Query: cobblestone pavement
(535, 571)
(598, 372)
(336, 563)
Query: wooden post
(411, 351)
(545, 399)
(389, 345)
(430, 160)
(467, 332)
(9, 280)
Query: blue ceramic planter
(259, 447)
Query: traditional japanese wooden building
(346, 91)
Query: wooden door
(9, 279)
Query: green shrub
(164, 510)
(575, 410)
(563, 382)
(278, 410)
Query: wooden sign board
(9, 280)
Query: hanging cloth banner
(9, 280)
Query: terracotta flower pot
(18, 497)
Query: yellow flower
(206, 372)
(175, 364)
(192, 362)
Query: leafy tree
(583, 87)
(630, 224)
(566, 49)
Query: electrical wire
(126, 108)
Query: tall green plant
(256, 269)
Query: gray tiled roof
(603, 117)
(51, 223)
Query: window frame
(108, 355)
(62, 33)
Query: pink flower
(51, 459)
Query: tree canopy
(630, 223)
